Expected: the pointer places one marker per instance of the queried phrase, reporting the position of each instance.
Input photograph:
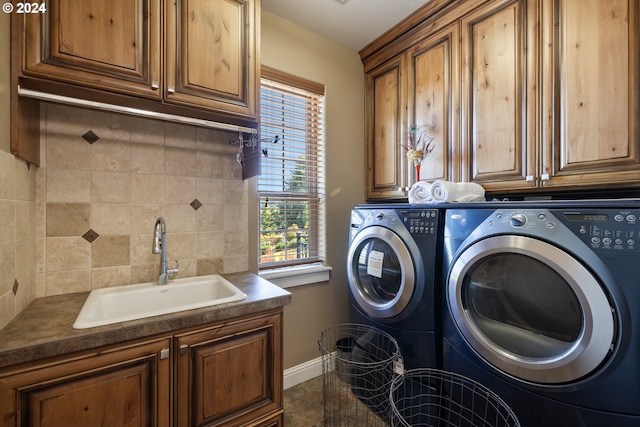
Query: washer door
(530, 309)
(381, 272)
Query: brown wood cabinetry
(128, 385)
(538, 94)
(590, 124)
(115, 46)
(499, 101)
(434, 94)
(385, 128)
(228, 373)
(417, 88)
(195, 58)
(211, 54)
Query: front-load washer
(542, 305)
(394, 271)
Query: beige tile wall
(17, 236)
(97, 203)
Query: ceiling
(352, 23)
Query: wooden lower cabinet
(226, 373)
(126, 386)
(276, 421)
(229, 374)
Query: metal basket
(435, 398)
(358, 365)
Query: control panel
(420, 221)
(600, 229)
(605, 229)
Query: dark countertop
(44, 327)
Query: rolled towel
(447, 191)
(419, 193)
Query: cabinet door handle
(171, 89)
(165, 353)
(184, 348)
(155, 85)
(529, 178)
(544, 177)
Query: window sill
(290, 277)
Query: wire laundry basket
(435, 398)
(358, 365)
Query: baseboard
(302, 372)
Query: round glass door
(380, 272)
(531, 309)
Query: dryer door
(381, 272)
(531, 309)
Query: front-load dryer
(394, 270)
(542, 305)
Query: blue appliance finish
(552, 370)
(394, 268)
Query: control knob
(518, 220)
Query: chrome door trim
(395, 306)
(598, 329)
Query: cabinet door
(127, 386)
(230, 375)
(277, 421)
(211, 54)
(112, 45)
(592, 99)
(434, 102)
(386, 174)
(499, 106)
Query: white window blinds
(291, 186)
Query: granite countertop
(44, 327)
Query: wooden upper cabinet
(499, 107)
(185, 58)
(549, 96)
(434, 101)
(211, 54)
(384, 131)
(591, 98)
(114, 45)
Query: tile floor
(303, 404)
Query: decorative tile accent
(196, 204)
(15, 287)
(90, 137)
(90, 236)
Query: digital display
(411, 214)
(586, 217)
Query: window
(291, 186)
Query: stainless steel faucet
(160, 247)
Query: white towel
(447, 191)
(419, 193)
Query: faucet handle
(173, 271)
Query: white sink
(122, 303)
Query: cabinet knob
(155, 85)
(529, 178)
(164, 353)
(171, 89)
(544, 177)
(184, 348)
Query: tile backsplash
(17, 236)
(103, 181)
